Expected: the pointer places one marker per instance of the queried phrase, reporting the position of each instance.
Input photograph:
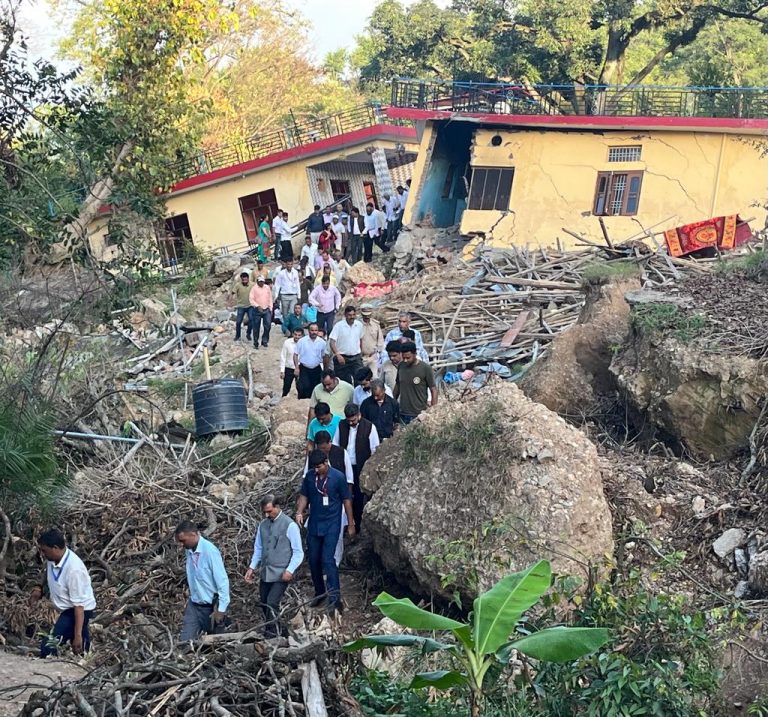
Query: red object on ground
(373, 291)
(722, 232)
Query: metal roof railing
(607, 100)
(294, 135)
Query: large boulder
(483, 487)
(708, 402)
(574, 374)
(224, 266)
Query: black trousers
(286, 249)
(288, 379)
(270, 595)
(349, 369)
(369, 241)
(325, 321)
(64, 631)
(358, 498)
(308, 379)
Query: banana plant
(485, 640)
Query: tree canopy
(620, 42)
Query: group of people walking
(342, 227)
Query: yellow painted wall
(97, 229)
(419, 170)
(214, 211)
(686, 179)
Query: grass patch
(193, 282)
(167, 387)
(668, 319)
(747, 262)
(604, 272)
(475, 438)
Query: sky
(331, 23)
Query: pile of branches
(227, 675)
(121, 523)
(507, 305)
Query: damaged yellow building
(519, 164)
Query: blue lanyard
(61, 569)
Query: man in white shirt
(286, 240)
(286, 287)
(340, 231)
(363, 379)
(360, 439)
(327, 216)
(309, 250)
(391, 212)
(286, 360)
(404, 324)
(308, 361)
(71, 593)
(402, 193)
(374, 229)
(346, 346)
(277, 232)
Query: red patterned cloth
(723, 232)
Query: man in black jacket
(360, 439)
(381, 410)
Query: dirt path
(17, 670)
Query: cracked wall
(688, 176)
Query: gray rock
(649, 296)
(742, 590)
(728, 542)
(221, 440)
(554, 508)
(225, 265)
(223, 315)
(261, 390)
(154, 312)
(758, 573)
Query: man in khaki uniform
(372, 341)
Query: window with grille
(490, 188)
(625, 154)
(617, 193)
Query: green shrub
(668, 319)
(661, 660)
(603, 272)
(30, 475)
(379, 695)
(475, 437)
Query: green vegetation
(379, 695)
(668, 319)
(29, 472)
(193, 281)
(662, 659)
(167, 387)
(479, 648)
(603, 272)
(460, 561)
(473, 437)
(753, 264)
(575, 41)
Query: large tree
(584, 41)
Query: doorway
(370, 194)
(255, 206)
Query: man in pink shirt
(327, 300)
(261, 311)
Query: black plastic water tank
(220, 406)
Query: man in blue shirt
(326, 492)
(207, 580)
(324, 420)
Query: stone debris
(728, 542)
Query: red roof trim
(313, 148)
(587, 122)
